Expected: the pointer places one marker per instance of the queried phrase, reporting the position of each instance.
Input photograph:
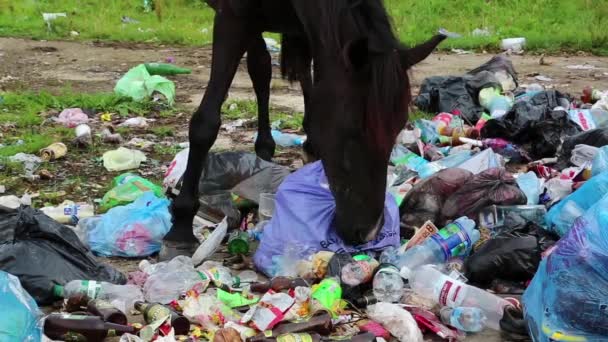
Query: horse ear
(415, 55)
(356, 53)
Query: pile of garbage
(493, 220)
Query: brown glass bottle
(320, 324)
(107, 311)
(279, 284)
(80, 327)
(155, 311)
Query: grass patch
(163, 131)
(549, 25)
(248, 109)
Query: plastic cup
(266, 207)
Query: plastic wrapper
(566, 300)
(562, 215)
(514, 255)
(134, 230)
(491, 187)
(425, 200)
(42, 253)
(396, 320)
(600, 162)
(304, 212)
(20, 321)
(596, 137)
(139, 85)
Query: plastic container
(83, 135)
(53, 151)
(287, 139)
(428, 282)
(464, 318)
(266, 206)
(455, 239)
(123, 159)
(69, 212)
(388, 284)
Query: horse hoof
(171, 249)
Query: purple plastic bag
(303, 214)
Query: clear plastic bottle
(359, 271)
(287, 139)
(455, 239)
(388, 284)
(428, 282)
(121, 296)
(464, 318)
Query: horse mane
(389, 88)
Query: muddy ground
(95, 67)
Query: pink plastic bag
(72, 117)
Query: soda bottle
(455, 239)
(67, 327)
(152, 312)
(359, 271)
(430, 283)
(388, 284)
(165, 69)
(238, 243)
(464, 318)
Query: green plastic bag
(126, 189)
(329, 294)
(235, 300)
(138, 84)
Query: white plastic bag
(176, 170)
(396, 320)
(207, 248)
(123, 159)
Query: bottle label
(91, 288)
(453, 240)
(295, 338)
(451, 294)
(156, 313)
(102, 304)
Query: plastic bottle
(428, 282)
(69, 212)
(121, 296)
(402, 156)
(359, 271)
(165, 69)
(53, 151)
(388, 284)
(92, 328)
(498, 105)
(455, 239)
(287, 139)
(464, 318)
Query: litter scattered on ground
(493, 220)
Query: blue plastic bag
(304, 211)
(20, 314)
(600, 162)
(567, 299)
(531, 186)
(562, 215)
(133, 230)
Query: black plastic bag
(492, 186)
(460, 93)
(596, 137)
(42, 252)
(241, 173)
(534, 125)
(425, 200)
(513, 255)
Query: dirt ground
(94, 67)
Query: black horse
(356, 98)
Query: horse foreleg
(230, 40)
(260, 70)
